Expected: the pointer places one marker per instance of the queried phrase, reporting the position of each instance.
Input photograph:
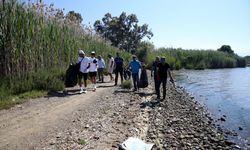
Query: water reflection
(224, 92)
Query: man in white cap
(83, 71)
(93, 69)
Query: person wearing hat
(118, 68)
(153, 70)
(83, 71)
(111, 66)
(93, 69)
(135, 66)
(101, 66)
(163, 70)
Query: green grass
(126, 84)
(12, 100)
(198, 59)
(37, 47)
(82, 142)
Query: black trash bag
(71, 75)
(126, 74)
(143, 83)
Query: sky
(187, 24)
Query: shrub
(126, 84)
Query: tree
(226, 49)
(143, 50)
(74, 17)
(123, 31)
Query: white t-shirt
(84, 64)
(101, 63)
(93, 65)
(111, 67)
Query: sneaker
(81, 91)
(94, 89)
(84, 90)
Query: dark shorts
(92, 74)
(83, 75)
(100, 70)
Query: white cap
(93, 52)
(81, 52)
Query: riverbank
(107, 117)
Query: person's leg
(121, 74)
(158, 89)
(134, 81)
(94, 79)
(116, 76)
(137, 81)
(80, 75)
(164, 82)
(156, 82)
(102, 75)
(85, 77)
(99, 74)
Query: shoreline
(111, 115)
(181, 122)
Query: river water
(225, 93)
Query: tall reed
(38, 38)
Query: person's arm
(104, 65)
(113, 63)
(170, 76)
(152, 69)
(88, 64)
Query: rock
(240, 128)
(237, 147)
(86, 126)
(96, 137)
(222, 119)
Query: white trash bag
(135, 144)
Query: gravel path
(105, 118)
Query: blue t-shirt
(135, 66)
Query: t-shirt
(93, 64)
(154, 66)
(135, 66)
(111, 61)
(84, 64)
(119, 62)
(101, 63)
(163, 70)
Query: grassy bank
(198, 59)
(37, 44)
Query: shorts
(82, 75)
(92, 74)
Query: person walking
(83, 71)
(163, 70)
(118, 68)
(135, 66)
(101, 67)
(93, 69)
(111, 66)
(153, 70)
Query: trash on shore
(135, 144)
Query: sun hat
(81, 52)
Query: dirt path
(26, 125)
(103, 119)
